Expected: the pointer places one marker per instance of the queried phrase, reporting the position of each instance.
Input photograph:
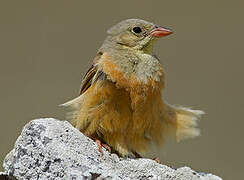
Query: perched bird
(121, 102)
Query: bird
(121, 103)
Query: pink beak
(160, 32)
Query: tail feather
(74, 105)
(185, 122)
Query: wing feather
(91, 75)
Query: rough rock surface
(53, 149)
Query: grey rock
(54, 149)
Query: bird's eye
(137, 30)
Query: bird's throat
(148, 47)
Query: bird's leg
(139, 156)
(136, 154)
(100, 145)
(107, 147)
(156, 159)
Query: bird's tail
(73, 106)
(183, 122)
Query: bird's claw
(100, 145)
(157, 160)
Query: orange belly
(108, 113)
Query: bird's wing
(91, 75)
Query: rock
(53, 149)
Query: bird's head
(135, 34)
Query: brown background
(45, 46)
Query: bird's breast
(145, 73)
(142, 85)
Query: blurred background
(46, 46)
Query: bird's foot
(136, 155)
(157, 160)
(100, 145)
(139, 156)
